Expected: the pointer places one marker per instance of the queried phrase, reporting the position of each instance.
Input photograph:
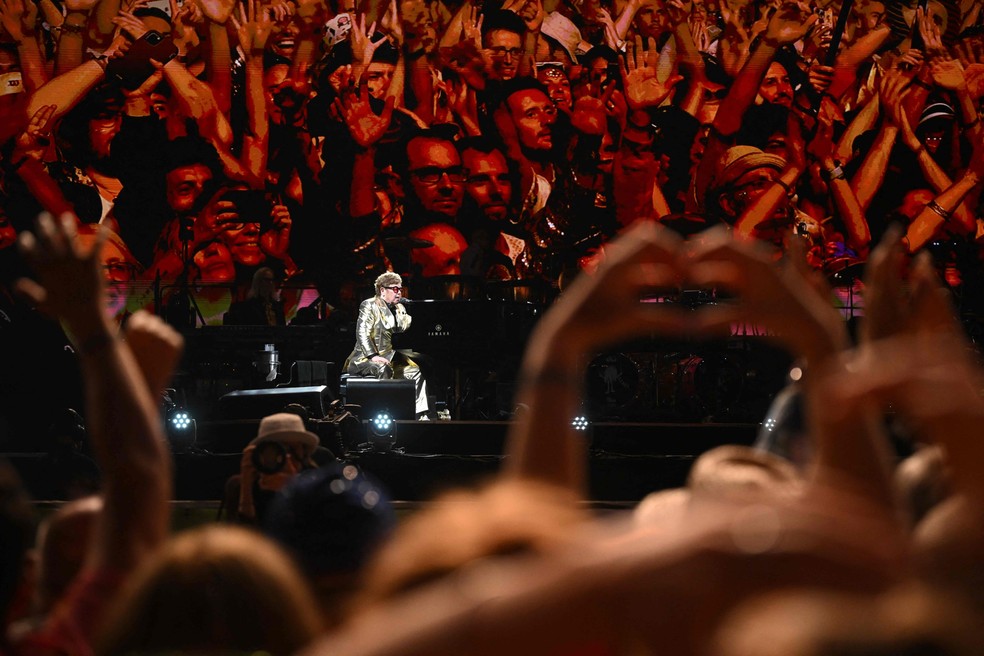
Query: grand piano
(470, 350)
(468, 332)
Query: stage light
(181, 420)
(382, 428)
(381, 424)
(580, 423)
(181, 428)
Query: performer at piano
(374, 355)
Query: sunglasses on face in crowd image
(234, 224)
(113, 269)
(715, 94)
(433, 174)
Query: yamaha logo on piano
(438, 331)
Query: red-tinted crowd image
(323, 143)
(238, 244)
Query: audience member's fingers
(714, 272)
(883, 287)
(719, 321)
(69, 226)
(27, 243)
(32, 292)
(932, 311)
(652, 54)
(48, 239)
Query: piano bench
(394, 396)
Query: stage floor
(420, 459)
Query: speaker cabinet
(395, 396)
(258, 403)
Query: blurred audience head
(214, 590)
(738, 472)
(331, 519)
(16, 524)
(505, 518)
(62, 546)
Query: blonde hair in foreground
(214, 589)
(499, 519)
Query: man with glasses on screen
(433, 180)
(428, 241)
(503, 33)
(374, 355)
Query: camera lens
(269, 457)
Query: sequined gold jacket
(374, 330)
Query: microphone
(404, 301)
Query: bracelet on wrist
(936, 207)
(71, 28)
(786, 187)
(836, 173)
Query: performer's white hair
(388, 279)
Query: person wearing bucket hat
(282, 448)
(559, 40)
(741, 178)
(286, 428)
